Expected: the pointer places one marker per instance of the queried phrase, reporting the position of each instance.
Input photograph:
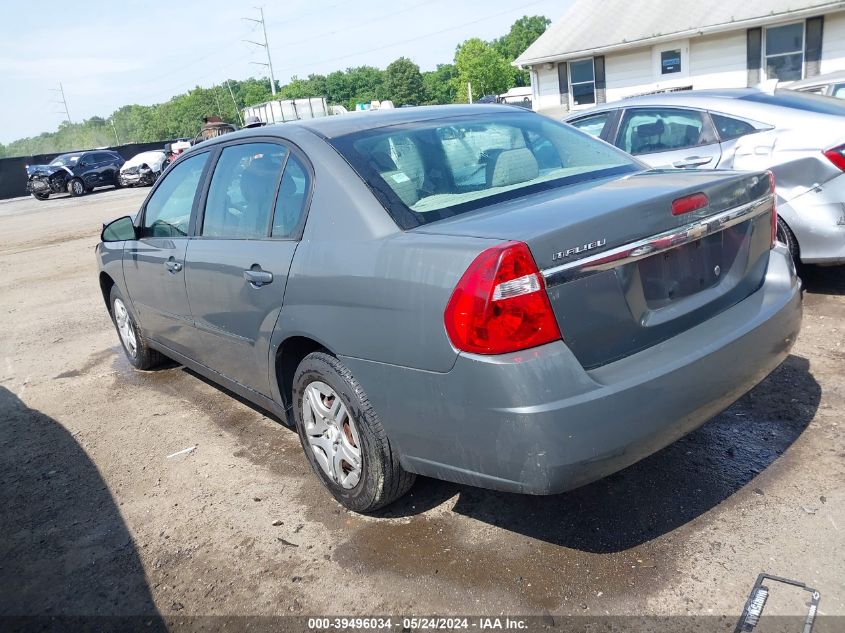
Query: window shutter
(601, 84)
(563, 83)
(813, 46)
(754, 56)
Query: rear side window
(647, 130)
(242, 191)
(290, 204)
(729, 127)
(429, 170)
(168, 211)
(592, 125)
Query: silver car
(829, 84)
(473, 293)
(799, 137)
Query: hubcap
(124, 327)
(77, 187)
(331, 434)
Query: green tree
(522, 34)
(480, 65)
(439, 84)
(403, 82)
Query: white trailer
(284, 110)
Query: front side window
(242, 191)
(582, 82)
(784, 52)
(647, 130)
(839, 91)
(168, 211)
(425, 171)
(593, 124)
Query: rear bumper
(817, 218)
(536, 422)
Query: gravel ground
(96, 519)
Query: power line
(266, 46)
(61, 91)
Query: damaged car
(76, 173)
(799, 137)
(142, 169)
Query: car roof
(340, 125)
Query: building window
(670, 62)
(582, 82)
(784, 52)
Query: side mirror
(119, 230)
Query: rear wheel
(75, 187)
(343, 438)
(139, 353)
(786, 236)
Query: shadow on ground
(64, 548)
(827, 280)
(658, 494)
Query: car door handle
(258, 277)
(692, 161)
(173, 266)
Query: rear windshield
(429, 170)
(799, 101)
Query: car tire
(380, 478)
(785, 235)
(40, 196)
(135, 346)
(75, 187)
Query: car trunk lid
(622, 272)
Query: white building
(604, 50)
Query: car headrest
(511, 167)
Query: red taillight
(689, 203)
(774, 209)
(837, 156)
(500, 304)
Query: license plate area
(691, 268)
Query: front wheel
(135, 346)
(40, 196)
(343, 438)
(76, 188)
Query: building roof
(593, 27)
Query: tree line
(486, 66)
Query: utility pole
(266, 46)
(237, 109)
(116, 137)
(61, 91)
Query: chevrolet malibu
(474, 293)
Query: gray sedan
(800, 137)
(474, 293)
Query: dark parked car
(76, 173)
(473, 293)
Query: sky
(109, 54)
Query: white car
(142, 169)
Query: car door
(153, 265)
(681, 138)
(88, 169)
(109, 168)
(237, 265)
